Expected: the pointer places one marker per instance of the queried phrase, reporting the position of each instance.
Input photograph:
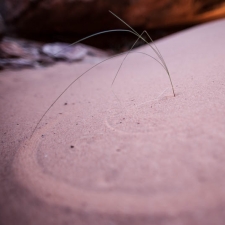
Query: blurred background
(32, 31)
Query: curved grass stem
(155, 50)
(161, 61)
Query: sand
(127, 154)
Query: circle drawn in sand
(140, 163)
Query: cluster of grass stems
(150, 43)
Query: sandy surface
(130, 154)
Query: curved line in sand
(148, 130)
(49, 189)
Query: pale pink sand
(139, 156)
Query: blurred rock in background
(2, 27)
(87, 16)
(70, 20)
(18, 53)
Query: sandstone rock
(18, 53)
(11, 48)
(64, 51)
(2, 27)
(64, 16)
